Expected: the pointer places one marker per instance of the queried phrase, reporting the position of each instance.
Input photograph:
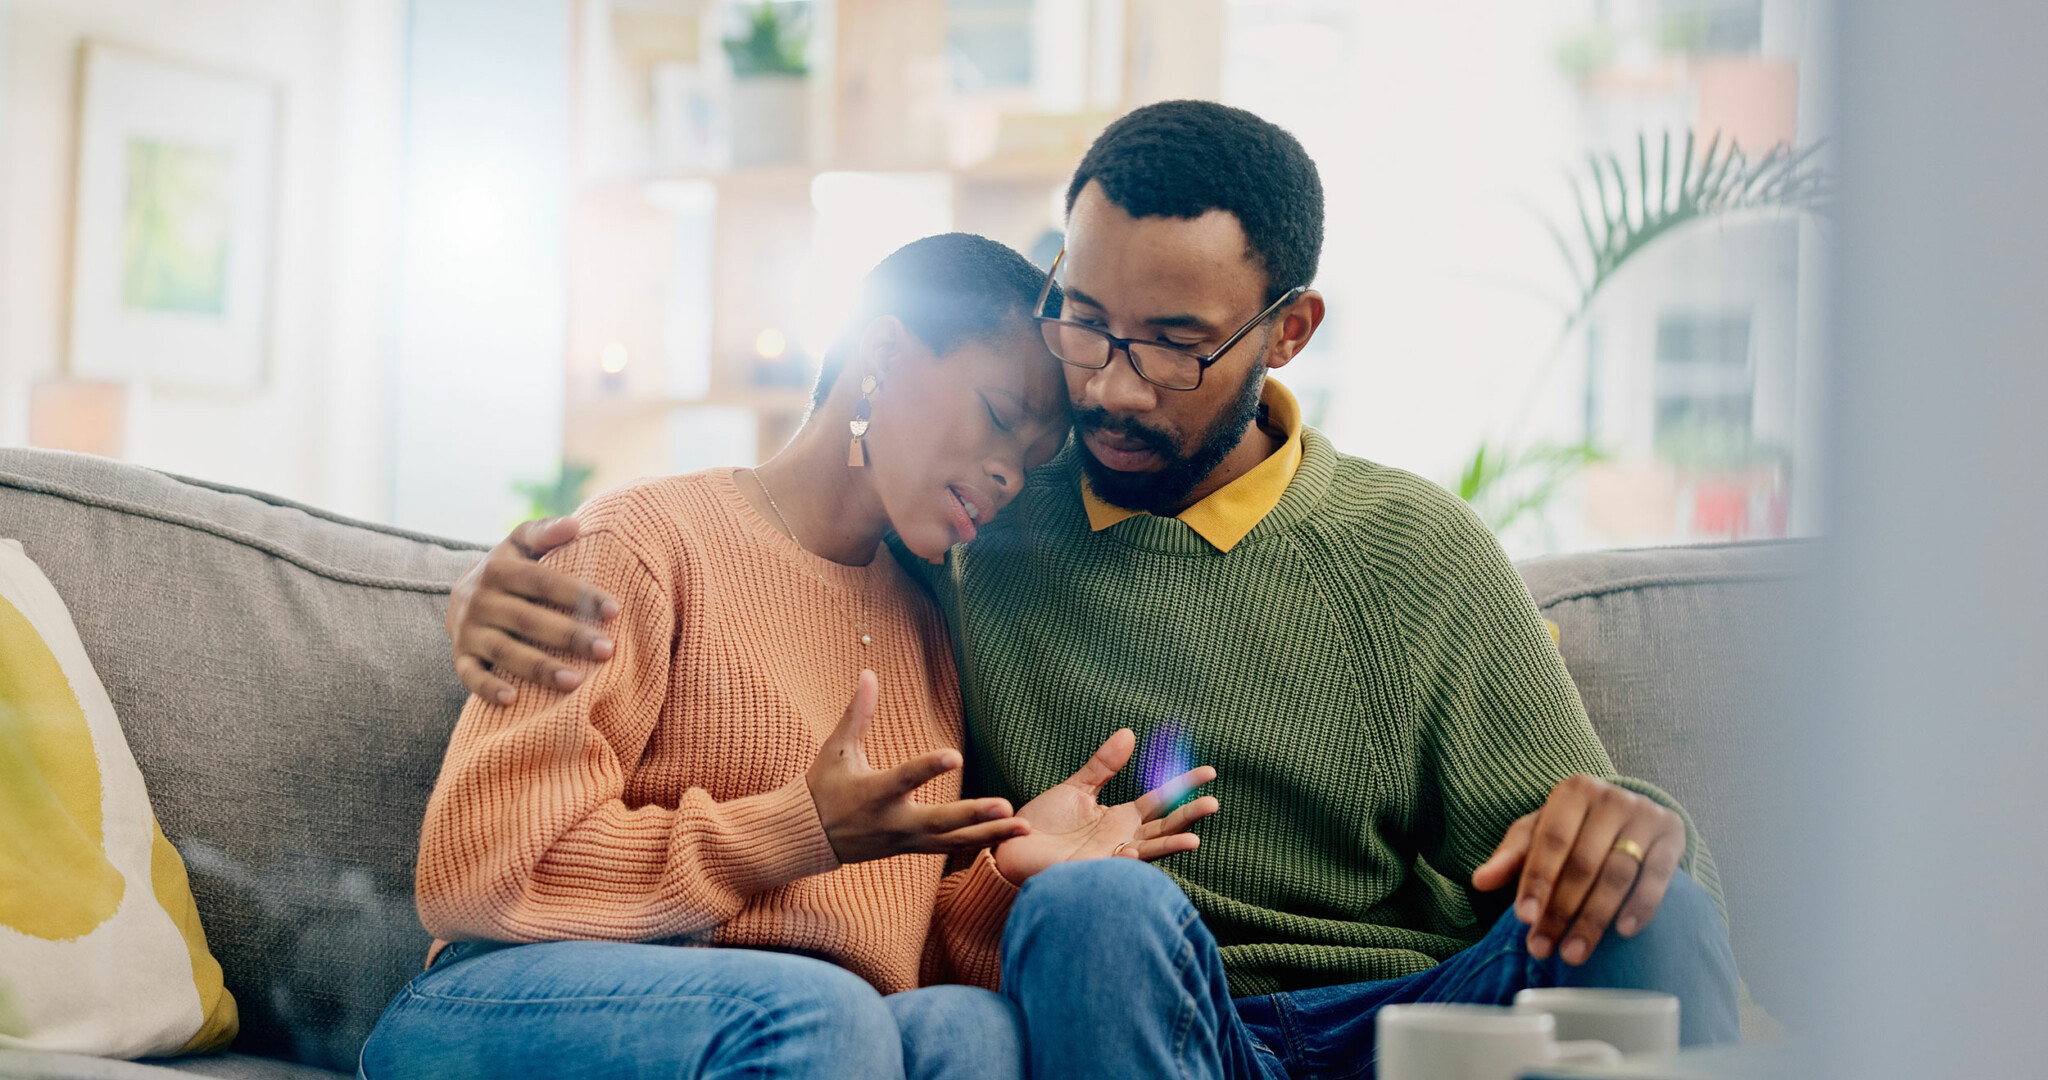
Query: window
(1705, 388)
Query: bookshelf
(703, 291)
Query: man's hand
(1574, 880)
(509, 607)
(869, 815)
(1067, 824)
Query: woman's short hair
(947, 289)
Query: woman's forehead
(1019, 365)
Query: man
(1396, 737)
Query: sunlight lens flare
(1166, 753)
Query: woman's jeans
(1116, 976)
(622, 1012)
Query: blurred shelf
(765, 399)
(1050, 168)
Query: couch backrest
(1681, 656)
(282, 676)
(283, 679)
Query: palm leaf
(1647, 205)
(1505, 486)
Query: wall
(314, 430)
(1435, 127)
(478, 393)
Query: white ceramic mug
(1473, 1042)
(1635, 1022)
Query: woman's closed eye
(996, 420)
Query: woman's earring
(857, 453)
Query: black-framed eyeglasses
(1170, 367)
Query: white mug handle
(1584, 1052)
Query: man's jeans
(622, 1012)
(1117, 977)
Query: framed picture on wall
(177, 180)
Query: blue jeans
(624, 1012)
(1116, 976)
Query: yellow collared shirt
(1231, 511)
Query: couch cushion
(283, 680)
(101, 946)
(41, 1065)
(1680, 655)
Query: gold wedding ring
(1629, 848)
(1119, 849)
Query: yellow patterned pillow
(101, 951)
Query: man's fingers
(541, 626)
(1660, 861)
(1555, 831)
(1618, 874)
(1611, 810)
(547, 585)
(1499, 868)
(1108, 760)
(538, 537)
(506, 654)
(915, 773)
(1154, 802)
(1161, 847)
(482, 683)
(1180, 819)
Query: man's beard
(1161, 491)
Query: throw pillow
(101, 951)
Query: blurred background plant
(558, 496)
(773, 43)
(1508, 487)
(1721, 181)
(1628, 211)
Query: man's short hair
(947, 289)
(1183, 159)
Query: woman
(706, 787)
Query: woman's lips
(1119, 453)
(963, 525)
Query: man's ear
(1297, 322)
(881, 348)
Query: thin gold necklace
(860, 620)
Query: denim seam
(579, 999)
(1472, 972)
(1186, 957)
(760, 1012)
(1290, 1025)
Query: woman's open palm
(1068, 824)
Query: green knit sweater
(1365, 670)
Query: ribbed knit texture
(1365, 670)
(664, 800)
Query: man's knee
(1685, 917)
(1682, 950)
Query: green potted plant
(771, 87)
(1629, 209)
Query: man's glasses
(1170, 367)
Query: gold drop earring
(857, 452)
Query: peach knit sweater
(664, 799)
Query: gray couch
(284, 682)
